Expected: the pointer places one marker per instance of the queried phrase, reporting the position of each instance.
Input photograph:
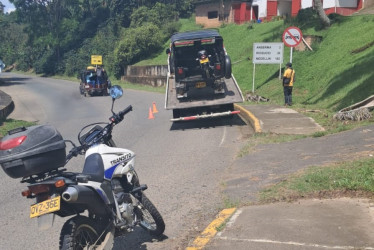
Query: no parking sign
(292, 36)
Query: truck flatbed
(202, 97)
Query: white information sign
(267, 53)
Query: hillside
(337, 73)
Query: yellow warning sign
(96, 60)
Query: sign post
(292, 37)
(266, 53)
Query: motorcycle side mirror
(116, 92)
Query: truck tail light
(180, 71)
(218, 66)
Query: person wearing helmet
(288, 80)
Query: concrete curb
(211, 230)
(249, 117)
(6, 105)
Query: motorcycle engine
(127, 212)
(124, 201)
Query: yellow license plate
(200, 85)
(204, 60)
(45, 207)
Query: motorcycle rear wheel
(150, 219)
(78, 233)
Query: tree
(58, 36)
(1, 8)
(321, 13)
(138, 43)
(160, 15)
(55, 27)
(121, 10)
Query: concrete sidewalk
(277, 119)
(306, 224)
(342, 223)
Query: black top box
(31, 151)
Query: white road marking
(223, 136)
(293, 243)
(231, 221)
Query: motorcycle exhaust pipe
(84, 196)
(70, 194)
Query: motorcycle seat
(94, 168)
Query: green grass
(343, 178)
(10, 124)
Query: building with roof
(212, 14)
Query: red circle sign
(292, 36)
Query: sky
(8, 6)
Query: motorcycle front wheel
(78, 233)
(150, 219)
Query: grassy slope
(330, 77)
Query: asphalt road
(182, 164)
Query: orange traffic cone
(150, 114)
(154, 110)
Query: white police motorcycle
(105, 200)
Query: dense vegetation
(59, 36)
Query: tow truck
(200, 83)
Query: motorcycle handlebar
(115, 119)
(125, 111)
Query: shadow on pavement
(208, 123)
(136, 240)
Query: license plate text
(45, 207)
